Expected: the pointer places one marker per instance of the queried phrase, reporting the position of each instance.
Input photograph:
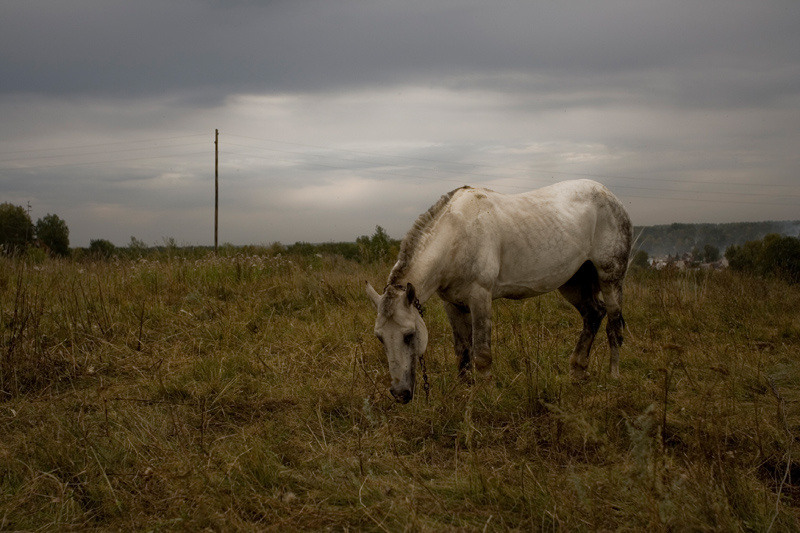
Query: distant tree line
(678, 239)
(774, 256)
(50, 234)
(758, 248)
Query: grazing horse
(475, 245)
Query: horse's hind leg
(461, 323)
(612, 295)
(582, 291)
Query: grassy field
(247, 393)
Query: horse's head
(401, 330)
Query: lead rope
(425, 385)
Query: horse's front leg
(481, 309)
(461, 323)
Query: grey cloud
(713, 49)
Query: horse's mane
(417, 235)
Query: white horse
(475, 245)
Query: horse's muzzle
(402, 395)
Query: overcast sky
(336, 116)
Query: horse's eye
(380, 337)
(408, 338)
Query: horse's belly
(529, 289)
(536, 279)
(517, 292)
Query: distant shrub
(774, 256)
(53, 233)
(348, 250)
(710, 253)
(101, 248)
(36, 256)
(640, 260)
(376, 248)
(137, 248)
(302, 248)
(16, 228)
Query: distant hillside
(680, 238)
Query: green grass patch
(248, 393)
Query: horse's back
(577, 209)
(531, 243)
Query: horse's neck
(424, 273)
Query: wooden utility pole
(216, 190)
(27, 226)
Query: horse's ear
(411, 294)
(373, 295)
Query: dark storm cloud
(378, 107)
(698, 53)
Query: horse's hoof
(466, 377)
(578, 374)
(483, 365)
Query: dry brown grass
(247, 393)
